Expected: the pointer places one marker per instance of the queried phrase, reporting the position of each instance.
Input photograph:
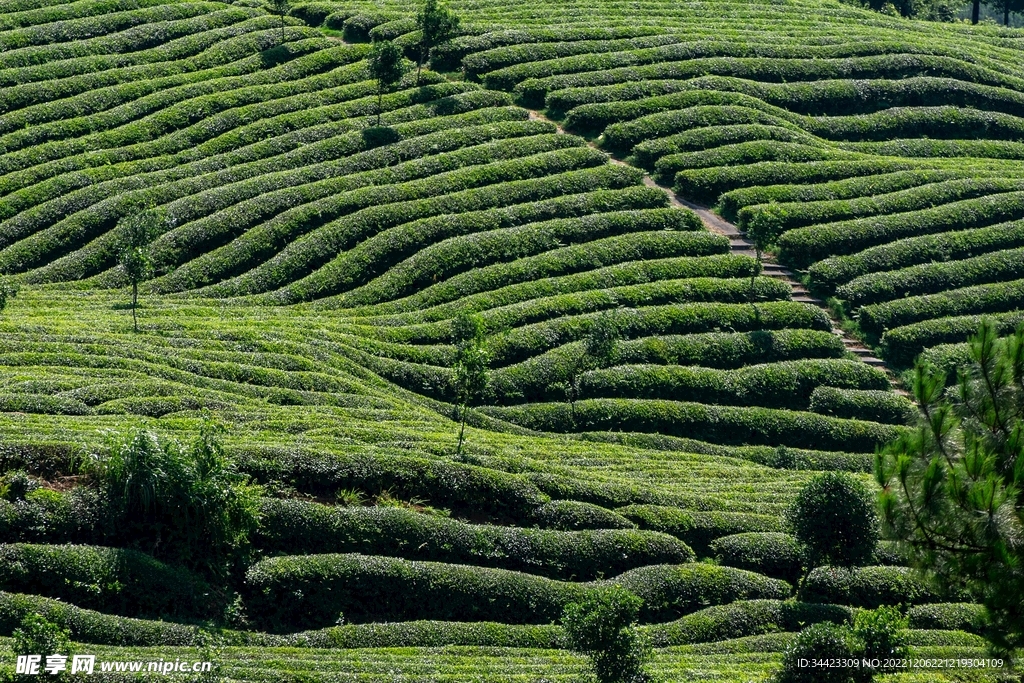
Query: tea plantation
(319, 243)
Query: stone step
(805, 299)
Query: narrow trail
(741, 245)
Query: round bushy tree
(602, 626)
(834, 520)
(818, 643)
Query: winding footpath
(741, 245)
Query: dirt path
(741, 245)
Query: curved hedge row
(873, 405)
(732, 202)
(574, 515)
(949, 616)
(867, 587)
(465, 489)
(994, 298)
(768, 221)
(785, 384)
(365, 588)
(930, 278)
(121, 581)
(717, 424)
(803, 246)
(729, 350)
(743, 153)
(297, 527)
(698, 528)
(647, 154)
(911, 251)
(524, 342)
(902, 344)
(772, 554)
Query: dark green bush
(358, 26)
(602, 626)
(834, 520)
(902, 344)
(87, 626)
(298, 527)
(821, 644)
(313, 13)
(572, 515)
(772, 554)
(910, 251)
(115, 580)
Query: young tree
(602, 626)
(953, 487)
(438, 25)
(136, 231)
(470, 366)
(386, 67)
(280, 8)
(598, 350)
(834, 520)
(1006, 7)
(8, 290)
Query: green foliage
(470, 369)
(8, 290)
(834, 520)
(38, 636)
(952, 487)
(862, 404)
(884, 634)
(386, 66)
(437, 25)
(820, 643)
(184, 504)
(603, 627)
(133, 252)
(281, 9)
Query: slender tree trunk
(135, 305)
(380, 96)
(419, 65)
(975, 11)
(282, 29)
(462, 431)
(1006, 13)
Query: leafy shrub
(297, 527)
(868, 587)
(868, 404)
(602, 626)
(38, 636)
(770, 553)
(834, 520)
(883, 632)
(902, 344)
(119, 581)
(313, 13)
(189, 504)
(572, 515)
(822, 642)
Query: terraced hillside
(310, 266)
(881, 155)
